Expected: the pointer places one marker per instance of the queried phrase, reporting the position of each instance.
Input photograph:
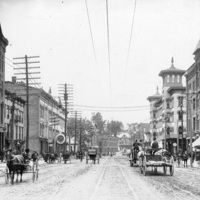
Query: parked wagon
(147, 160)
(92, 154)
(28, 167)
(66, 157)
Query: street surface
(111, 179)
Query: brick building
(168, 118)
(3, 44)
(46, 117)
(14, 121)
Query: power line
(90, 31)
(108, 43)
(99, 110)
(130, 39)
(110, 107)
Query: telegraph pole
(27, 78)
(76, 115)
(80, 140)
(66, 92)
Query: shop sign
(60, 139)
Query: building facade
(168, 111)
(46, 118)
(3, 44)
(193, 97)
(14, 119)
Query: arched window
(167, 78)
(178, 78)
(172, 78)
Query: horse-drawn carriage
(66, 157)
(149, 159)
(18, 164)
(92, 154)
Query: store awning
(196, 143)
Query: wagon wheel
(144, 166)
(140, 165)
(164, 167)
(6, 175)
(34, 172)
(172, 166)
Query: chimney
(14, 79)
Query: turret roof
(172, 70)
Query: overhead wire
(130, 39)
(108, 40)
(110, 107)
(90, 31)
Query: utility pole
(66, 93)
(76, 115)
(27, 78)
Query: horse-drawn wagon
(66, 157)
(148, 159)
(92, 154)
(17, 164)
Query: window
(172, 78)
(167, 78)
(194, 124)
(178, 78)
(193, 103)
(41, 111)
(16, 132)
(168, 130)
(180, 115)
(168, 105)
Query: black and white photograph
(100, 99)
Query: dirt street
(111, 179)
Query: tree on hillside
(115, 127)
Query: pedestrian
(154, 146)
(185, 158)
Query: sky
(58, 31)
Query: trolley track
(102, 178)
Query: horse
(50, 157)
(15, 164)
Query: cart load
(148, 159)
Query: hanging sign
(60, 139)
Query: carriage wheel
(172, 166)
(6, 175)
(140, 165)
(144, 166)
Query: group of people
(154, 146)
